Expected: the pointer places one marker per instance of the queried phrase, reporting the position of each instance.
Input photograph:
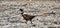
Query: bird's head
(21, 11)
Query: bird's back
(27, 17)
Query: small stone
(33, 25)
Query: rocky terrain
(10, 16)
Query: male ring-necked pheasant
(28, 17)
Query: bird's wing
(29, 16)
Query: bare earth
(10, 16)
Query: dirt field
(10, 16)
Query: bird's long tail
(41, 14)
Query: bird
(28, 17)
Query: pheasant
(28, 17)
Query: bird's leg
(31, 21)
(26, 22)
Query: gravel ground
(10, 16)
